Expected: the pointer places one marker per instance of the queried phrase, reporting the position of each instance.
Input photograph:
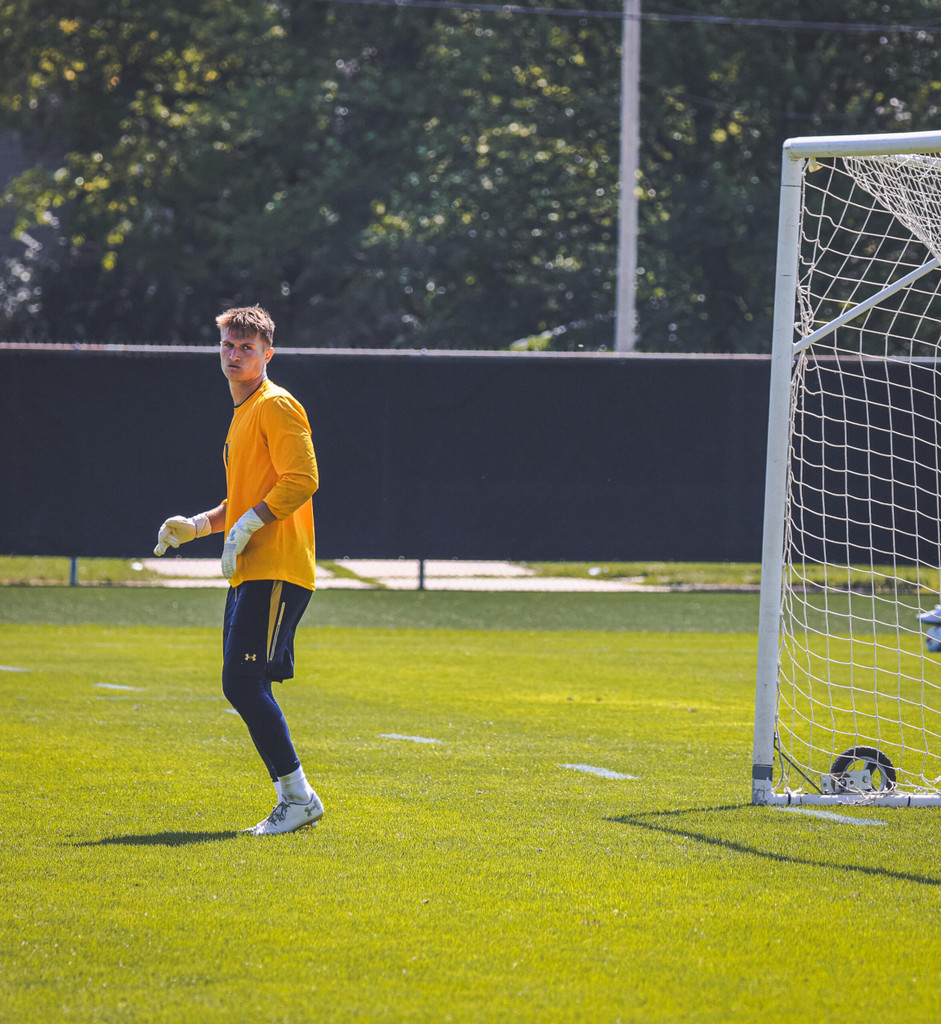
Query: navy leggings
(261, 617)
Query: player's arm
(264, 513)
(217, 518)
(292, 455)
(179, 530)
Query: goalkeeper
(268, 555)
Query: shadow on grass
(161, 839)
(644, 821)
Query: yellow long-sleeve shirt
(269, 457)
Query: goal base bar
(875, 799)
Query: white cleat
(289, 818)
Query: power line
(819, 26)
(705, 19)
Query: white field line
(605, 773)
(118, 686)
(411, 739)
(843, 819)
(11, 668)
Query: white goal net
(849, 693)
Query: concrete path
(403, 574)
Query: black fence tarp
(421, 456)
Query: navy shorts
(261, 617)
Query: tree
(384, 176)
(121, 103)
(719, 101)
(376, 178)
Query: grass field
(477, 878)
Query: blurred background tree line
(421, 177)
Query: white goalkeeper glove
(238, 537)
(179, 530)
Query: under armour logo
(250, 657)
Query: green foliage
(382, 176)
(718, 104)
(476, 879)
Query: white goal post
(848, 696)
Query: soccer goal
(848, 698)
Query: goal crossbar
(893, 144)
(801, 724)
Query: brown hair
(247, 322)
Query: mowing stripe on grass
(832, 816)
(411, 739)
(605, 773)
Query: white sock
(295, 789)
(277, 790)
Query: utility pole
(625, 330)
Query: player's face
(243, 359)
